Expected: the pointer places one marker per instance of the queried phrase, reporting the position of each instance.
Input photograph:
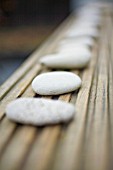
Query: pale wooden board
(86, 143)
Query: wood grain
(85, 143)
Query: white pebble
(82, 23)
(78, 49)
(90, 19)
(89, 10)
(85, 40)
(67, 60)
(54, 83)
(86, 31)
(39, 111)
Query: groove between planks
(85, 142)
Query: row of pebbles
(72, 52)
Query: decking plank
(85, 143)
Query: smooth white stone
(99, 5)
(86, 31)
(73, 42)
(67, 60)
(90, 18)
(96, 13)
(39, 111)
(85, 40)
(81, 23)
(82, 27)
(72, 46)
(70, 50)
(54, 83)
(88, 9)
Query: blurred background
(25, 24)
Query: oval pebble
(85, 40)
(39, 111)
(86, 31)
(79, 48)
(80, 23)
(73, 44)
(88, 10)
(67, 59)
(54, 83)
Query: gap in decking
(37, 96)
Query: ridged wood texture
(86, 143)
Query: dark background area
(34, 11)
(24, 25)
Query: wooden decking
(86, 143)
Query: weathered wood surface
(86, 143)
